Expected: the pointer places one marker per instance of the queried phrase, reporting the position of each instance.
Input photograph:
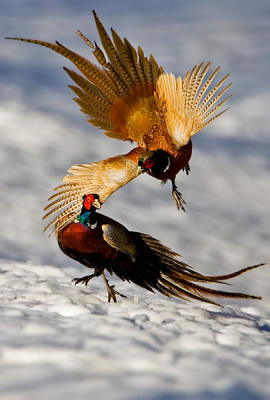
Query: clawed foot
(179, 200)
(111, 292)
(177, 197)
(84, 279)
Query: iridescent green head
(87, 216)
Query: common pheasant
(101, 243)
(130, 97)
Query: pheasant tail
(173, 277)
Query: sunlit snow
(60, 341)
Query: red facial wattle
(148, 164)
(89, 199)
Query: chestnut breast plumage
(82, 239)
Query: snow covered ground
(65, 342)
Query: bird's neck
(135, 154)
(88, 218)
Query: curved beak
(96, 203)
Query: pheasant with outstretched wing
(103, 178)
(130, 97)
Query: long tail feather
(161, 267)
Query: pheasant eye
(148, 164)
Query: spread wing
(190, 104)
(102, 178)
(124, 80)
(131, 98)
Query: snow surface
(66, 342)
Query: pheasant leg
(177, 196)
(111, 292)
(87, 278)
(186, 168)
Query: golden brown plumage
(102, 243)
(102, 178)
(131, 98)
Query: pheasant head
(155, 162)
(87, 216)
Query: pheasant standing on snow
(131, 98)
(99, 242)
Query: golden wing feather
(187, 108)
(131, 98)
(125, 58)
(102, 178)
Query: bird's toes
(178, 200)
(84, 279)
(112, 293)
(76, 281)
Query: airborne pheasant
(130, 97)
(101, 243)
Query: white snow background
(58, 341)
